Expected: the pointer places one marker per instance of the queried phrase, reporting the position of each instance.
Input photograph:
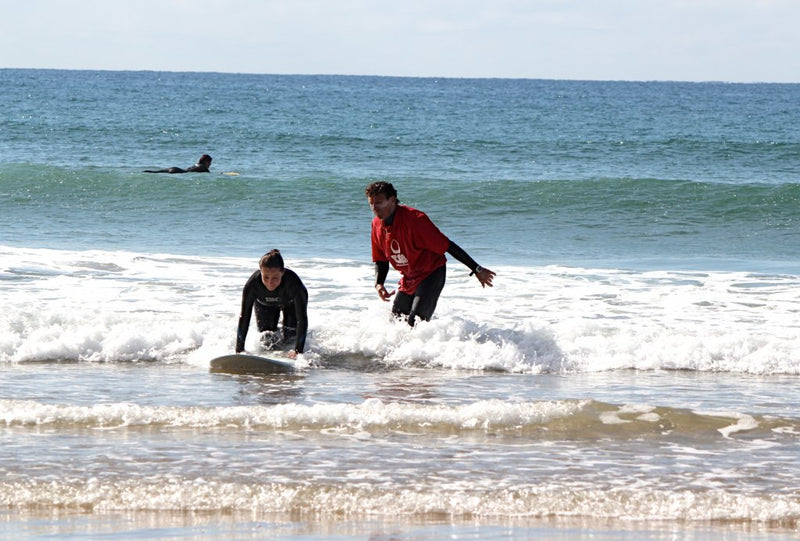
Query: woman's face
(271, 278)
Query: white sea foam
(361, 500)
(123, 306)
(372, 414)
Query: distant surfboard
(241, 363)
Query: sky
(636, 40)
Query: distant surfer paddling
(408, 239)
(270, 291)
(203, 165)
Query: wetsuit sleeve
(248, 298)
(381, 271)
(301, 310)
(456, 251)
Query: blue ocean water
(632, 374)
(645, 174)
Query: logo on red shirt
(400, 260)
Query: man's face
(381, 206)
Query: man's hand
(385, 295)
(485, 277)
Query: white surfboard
(242, 363)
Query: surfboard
(242, 363)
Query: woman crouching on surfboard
(273, 289)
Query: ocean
(632, 374)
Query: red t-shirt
(412, 244)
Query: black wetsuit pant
(423, 302)
(267, 320)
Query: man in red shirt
(408, 239)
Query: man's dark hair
(381, 187)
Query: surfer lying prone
(202, 166)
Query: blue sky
(686, 40)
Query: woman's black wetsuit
(290, 297)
